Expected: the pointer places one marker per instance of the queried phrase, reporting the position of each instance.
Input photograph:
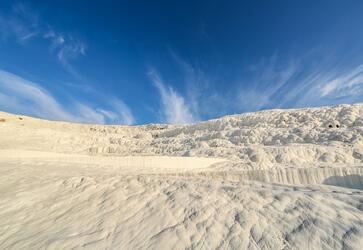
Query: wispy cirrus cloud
(174, 108)
(120, 109)
(268, 81)
(306, 81)
(201, 96)
(19, 23)
(329, 87)
(348, 84)
(195, 82)
(24, 24)
(20, 95)
(67, 48)
(298, 82)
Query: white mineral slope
(276, 179)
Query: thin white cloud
(88, 114)
(298, 84)
(123, 112)
(195, 82)
(25, 92)
(23, 96)
(269, 79)
(273, 83)
(344, 84)
(120, 111)
(24, 24)
(21, 23)
(109, 114)
(201, 96)
(174, 108)
(56, 39)
(69, 50)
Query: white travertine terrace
(275, 179)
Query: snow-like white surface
(274, 179)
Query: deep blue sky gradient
(199, 59)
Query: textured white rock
(275, 179)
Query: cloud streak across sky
(23, 96)
(174, 108)
(298, 84)
(270, 83)
(23, 24)
(20, 95)
(201, 72)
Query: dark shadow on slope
(348, 181)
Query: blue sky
(136, 62)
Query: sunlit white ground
(268, 180)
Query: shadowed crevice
(348, 181)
